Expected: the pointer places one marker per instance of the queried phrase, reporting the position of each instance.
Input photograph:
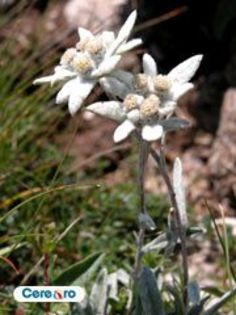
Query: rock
(6, 3)
(93, 14)
(222, 160)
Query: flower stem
(160, 160)
(143, 154)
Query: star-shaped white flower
(149, 107)
(93, 58)
(169, 88)
(151, 128)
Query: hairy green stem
(160, 160)
(143, 154)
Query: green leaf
(179, 306)
(86, 277)
(218, 303)
(149, 293)
(213, 291)
(69, 275)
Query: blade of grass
(219, 236)
(227, 255)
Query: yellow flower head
(141, 82)
(131, 102)
(150, 106)
(162, 83)
(82, 63)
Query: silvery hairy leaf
(146, 221)
(149, 294)
(114, 87)
(195, 230)
(194, 293)
(157, 244)
(124, 77)
(174, 123)
(179, 190)
(112, 283)
(99, 293)
(123, 277)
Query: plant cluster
(143, 104)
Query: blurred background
(51, 164)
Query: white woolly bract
(185, 70)
(66, 90)
(152, 132)
(123, 34)
(77, 96)
(123, 130)
(112, 110)
(106, 67)
(179, 90)
(84, 33)
(129, 45)
(149, 65)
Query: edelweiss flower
(151, 102)
(169, 88)
(93, 58)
